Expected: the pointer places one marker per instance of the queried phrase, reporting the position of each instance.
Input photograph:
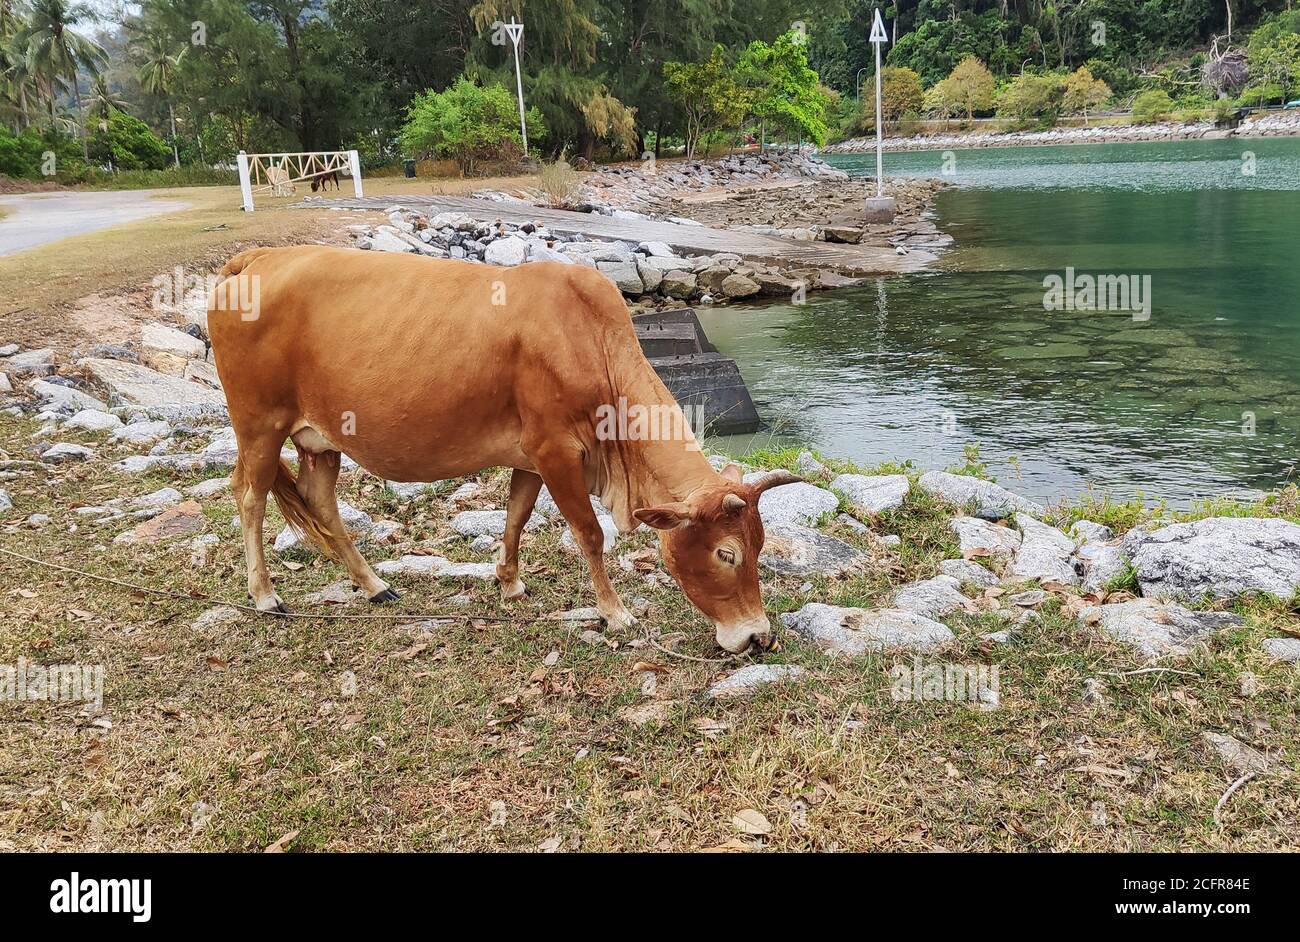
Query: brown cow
(425, 369)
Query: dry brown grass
(453, 720)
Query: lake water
(1187, 388)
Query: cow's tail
(295, 509)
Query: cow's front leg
(564, 479)
(524, 487)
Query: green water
(1198, 395)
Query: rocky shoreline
(1285, 124)
(786, 195)
(1147, 588)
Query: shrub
(560, 183)
(468, 123)
(126, 143)
(1152, 106)
(1031, 98)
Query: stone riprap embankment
(1146, 589)
(648, 270)
(1285, 124)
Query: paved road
(849, 259)
(38, 218)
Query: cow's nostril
(766, 641)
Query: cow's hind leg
(564, 478)
(317, 475)
(524, 487)
(254, 476)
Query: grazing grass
(471, 733)
(42, 287)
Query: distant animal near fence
(277, 174)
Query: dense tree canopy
(609, 77)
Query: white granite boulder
(988, 500)
(872, 493)
(1156, 628)
(1219, 557)
(855, 631)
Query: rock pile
(647, 269)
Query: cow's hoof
(513, 590)
(620, 619)
(388, 595)
(272, 606)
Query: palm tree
(54, 51)
(158, 76)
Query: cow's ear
(733, 473)
(664, 516)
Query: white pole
(355, 160)
(880, 159)
(516, 31)
(245, 185)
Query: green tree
(783, 89)
(124, 142)
(1083, 92)
(1030, 97)
(708, 95)
(54, 50)
(468, 123)
(972, 84)
(158, 75)
(900, 92)
(1152, 106)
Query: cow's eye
(727, 556)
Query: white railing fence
(277, 174)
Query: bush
(560, 182)
(1152, 106)
(1029, 98)
(25, 156)
(126, 143)
(469, 124)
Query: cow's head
(711, 544)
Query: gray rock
(9, 349)
(965, 571)
(678, 284)
(990, 501)
(932, 597)
(511, 250)
(31, 363)
(657, 249)
(1284, 649)
(385, 239)
(1085, 531)
(668, 263)
(794, 550)
(215, 617)
(1156, 628)
(873, 493)
(1238, 756)
(801, 503)
(609, 534)
(1044, 553)
(1102, 564)
(66, 451)
(93, 420)
(749, 680)
(651, 277)
(738, 286)
(342, 592)
(159, 338)
(437, 567)
(624, 275)
(807, 464)
(977, 537)
(142, 433)
(472, 523)
(1220, 557)
(165, 396)
(158, 499)
(408, 490)
(6, 502)
(201, 371)
(65, 396)
(855, 631)
(209, 488)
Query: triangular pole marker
(878, 34)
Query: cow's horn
(733, 503)
(775, 479)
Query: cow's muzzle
(740, 638)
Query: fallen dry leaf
(753, 822)
(279, 846)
